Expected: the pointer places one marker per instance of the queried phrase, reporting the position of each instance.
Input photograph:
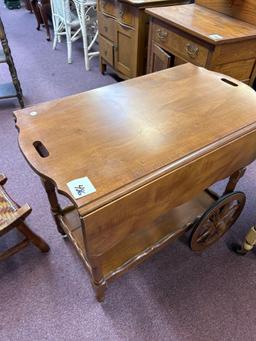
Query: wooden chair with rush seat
(13, 216)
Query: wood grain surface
(125, 135)
(203, 23)
(244, 10)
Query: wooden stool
(9, 90)
(13, 216)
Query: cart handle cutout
(228, 82)
(41, 149)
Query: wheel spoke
(208, 231)
(217, 220)
(230, 213)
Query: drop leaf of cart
(150, 148)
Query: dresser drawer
(109, 7)
(185, 48)
(126, 15)
(106, 50)
(106, 26)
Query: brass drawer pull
(121, 13)
(192, 50)
(105, 28)
(162, 35)
(105, 53)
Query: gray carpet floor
(176, 295)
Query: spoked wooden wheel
(212, 225)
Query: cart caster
(217, 220)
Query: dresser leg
(103, 66)
(53, 200)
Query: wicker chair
(65, 23)
(87, 15)
(13, 216)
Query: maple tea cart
(151, 146)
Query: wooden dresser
(200, 34)
(123, 34)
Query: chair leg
(36, 11)
(69, 43)
(44, 15)
(33, 237)
(16, 248)
(55, 40)
(56, 25)
(85, 42)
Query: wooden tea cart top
(125, 135)
(205, 23)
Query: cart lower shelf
(137, 246)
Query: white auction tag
(215, 36)
(81, 187)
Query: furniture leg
(53, 200)
(233, 180)
(85, 41)
(97, 279)
(44, 14)
(69, 43)
(20, 99)
(28, 5)
(55, 40)
(34, 238)
(34, 6)
(12, 69)
(16, 248)
(98, 282)
(100, 290)
(103, 66)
